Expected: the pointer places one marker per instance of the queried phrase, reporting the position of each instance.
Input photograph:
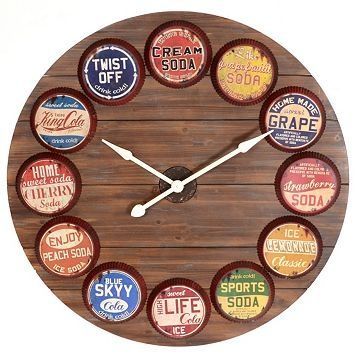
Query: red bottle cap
(307, 183)
(178, 308)
(178, 54)
(48, 184)
(67, 246)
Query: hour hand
(128, 155)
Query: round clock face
(171, 164)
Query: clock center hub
(182, 193)
(177, 186)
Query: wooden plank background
(194, 103)
(167, 127)
(158, 144)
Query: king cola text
(60, 122)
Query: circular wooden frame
(165, 128)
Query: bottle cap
(242, 291)
(63, 120)
(114, 292)
(48, 184)
(289, 247)
(111, 72)
(307, 183)
(296, 116)
(178, 308)
(244, 72)
(67, 246)
(178, 54)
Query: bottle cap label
(242, 291)
(178, 308)
(177, 53)
(290, 248)
(65, 248)
(62, 120)
(178, 311)
(296, 117)
(244, 72)
(48, 184)
(111, 71)
(308, 184)
(114, 295)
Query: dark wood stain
(198, 102)
(217, 216)
(167, 127)
(158, 144)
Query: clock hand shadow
(228, 148)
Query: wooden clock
(178, 178)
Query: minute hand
(128, 155)
(241, 148)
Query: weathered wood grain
(197, 102)
(198, 264)
(217, 329)
(136, 30)
(166, 144)
(217, 216)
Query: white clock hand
(127, 155)
(139, 209)
(178, 185)
(243, 147)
